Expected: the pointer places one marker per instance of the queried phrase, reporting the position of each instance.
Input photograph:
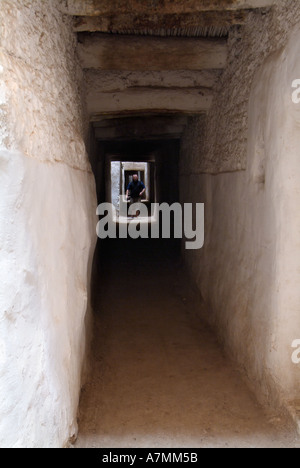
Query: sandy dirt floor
(159, 378)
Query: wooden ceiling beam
(134, 7)
(191, 100)
(215, 23)
(137, 53)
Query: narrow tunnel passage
(159, 377)
(203, 95)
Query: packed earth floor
(159, 377)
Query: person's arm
(143, 189)
(128, 190)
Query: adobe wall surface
(248, 270)
(224, 148)
(47, 206)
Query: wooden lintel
(132, 53)
(187, 100)
(110, 7)
(187, 24)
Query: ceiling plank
(98, 117)
(109, 81)
(110, 7)
(138, 129)
(142, 122)
(186, 24)
(109, 114)
(115, 136)
(135, 53)
(179, 100)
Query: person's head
(135, 177)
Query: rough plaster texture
(115, 170)
(42, 78)
(192, 145)
(248, 270)
(47, 227)
(225, 145)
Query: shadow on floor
(159, 377)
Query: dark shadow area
(163, 159)
(159, 377)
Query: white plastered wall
(249, 269)
(47, 227)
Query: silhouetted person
(135, 190)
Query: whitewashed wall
(47, 226)
(249, 269)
